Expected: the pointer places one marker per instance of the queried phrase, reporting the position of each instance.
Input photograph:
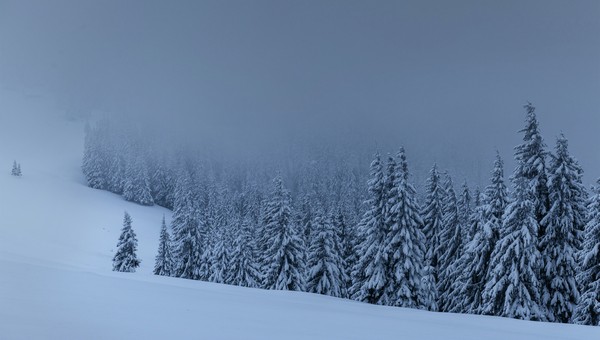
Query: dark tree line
(530, 253)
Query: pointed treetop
(532, 133)
(126, 219)
(530, 108)
(562, 146)
(402, 163)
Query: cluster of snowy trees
(531, 253)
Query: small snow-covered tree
(512, 289)
(163, 264)
(125, 259)
(324, 259)
(16, 169)
(404, 242)
(369, 273)
(562, 240)
(284, 252)
(587, 311)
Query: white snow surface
(57, 239)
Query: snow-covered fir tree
(115, 178)
(284, 247)
(370, 272)
(450, 247)
(220, 264)
(347, 242)
(305, 218)
(432, 220)
(587, 311)
(162, 186)
(212, 214)
(207, 256)
(163, 264)
(512, 289)
(16, 169)
(125, 259)
(532, 154)
(428, 295)
(473, 222)
(95, 164)
(465, 209)
(136, 185)
(404, 242)
(486, 222)
(244, 270)
(325, 262)
(187, 241)
(562, 240)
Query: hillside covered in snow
(57, 239)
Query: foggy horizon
(446, 80)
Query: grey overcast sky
(448, 79)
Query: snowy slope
(56, 243)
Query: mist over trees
(327, 226)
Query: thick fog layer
(446, 79)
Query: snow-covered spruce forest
(527, 246)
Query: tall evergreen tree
(208, 243)
(404, 247)
(531, 155)
(187, 241)
(347, 242)
(465, 209)
(325, 274)
(429, 294)
(512, 289)
(94, 165)
(163, 264)
(283, 257)
(449, 248)
(162, 186)
(244, 269)
(486, 222)
(220, 265)
(369, 273)
(115, 162)
(587, 311)
(136, 186)
(565, 223)
(306, 218)
(125, 259)
(433, 220)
